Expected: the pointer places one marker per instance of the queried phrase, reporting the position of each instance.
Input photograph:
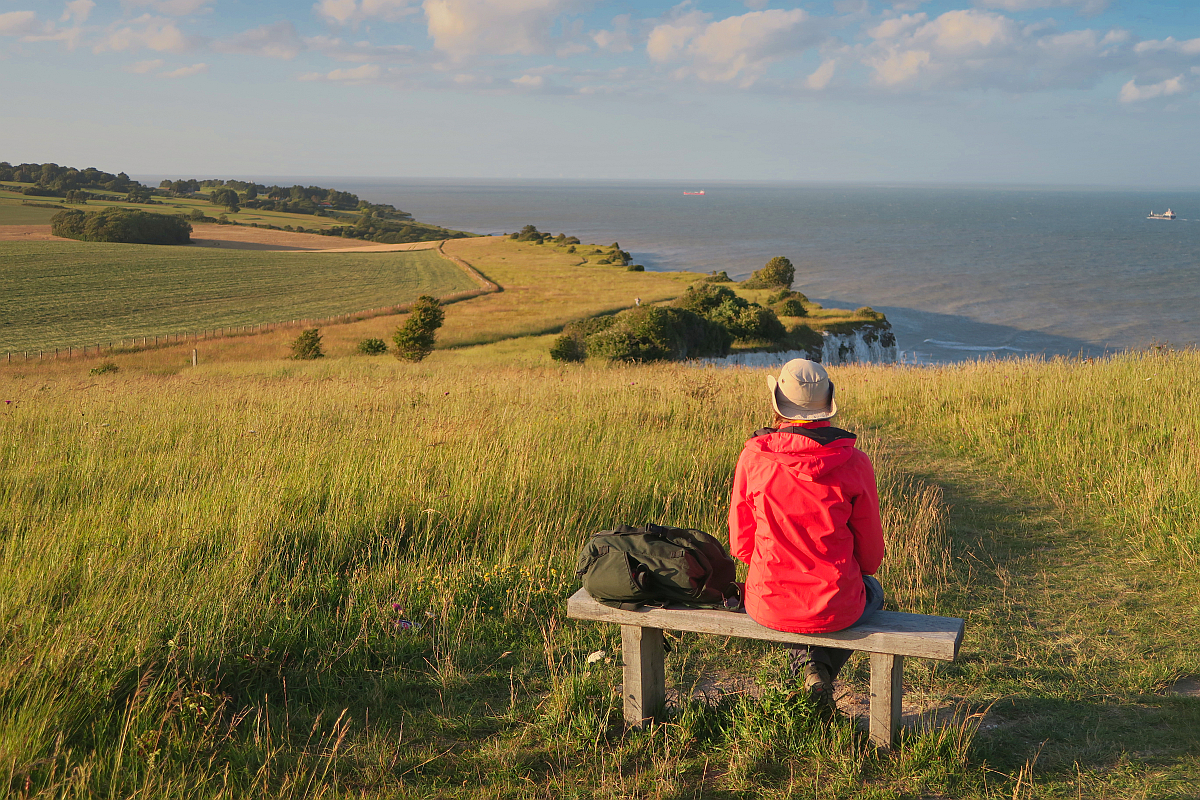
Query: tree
(308, 345)
(414, 340)
(225, 197)
(372, 347)
(778, 272)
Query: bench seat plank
(892, 632)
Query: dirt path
(27, 233)
(238, 237)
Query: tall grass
(245, 583)
(1117, 439)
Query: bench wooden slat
(891, 632)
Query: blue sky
(1057, 92)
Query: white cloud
(78, 10)
(152, 33)
(735, 48)
(18, 23)
(345, 12)
(1188, 47)
(668, 40)
(530, 81)
(1132, 93)
(618, 39)
(820, 78)
(144, 67)
(970, 30)
(277, 40)
(186, 72)
(500, 27)
(363, 74)
(972, 49)
(899, 66)
(176, 8)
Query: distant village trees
(52, 180)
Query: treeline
(367, 229)
(53, 180)
(313, 200)
(125, 225)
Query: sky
(1055, 92)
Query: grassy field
(14, 212)
(545, 288)
(346, 578)
(55, 294)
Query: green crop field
(56, 294)
(13, 212)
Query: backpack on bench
(628, 568)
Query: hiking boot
(818, 683)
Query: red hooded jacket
(805, 518)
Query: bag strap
(818, 435)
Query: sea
(961, 272)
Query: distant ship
(1168, 215)
(699, 192)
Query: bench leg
(887, 689)
(645, 681)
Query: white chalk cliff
(868, 344)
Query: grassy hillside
(346, 578)
(56, 294)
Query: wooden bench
(888, 636)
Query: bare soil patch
(27, 233)
(237, 237)
(1187, 686)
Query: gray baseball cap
(803, 391)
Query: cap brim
(789, 410)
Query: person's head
(803, 392)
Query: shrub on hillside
(372, 347)
(651, 333)
(125, 225)
(718, 277)
(103, 368)
(572, 344)
(777, 272)
(414, 339)
(307, 345)
(785, 294)
(745, 321)
(635, 268)
(790, 308)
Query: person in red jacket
(804, 517)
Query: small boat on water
(1168, 215)
(695, 193)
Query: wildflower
(596, 656)
(396, 607)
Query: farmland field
(13, 212)
(56, 294)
